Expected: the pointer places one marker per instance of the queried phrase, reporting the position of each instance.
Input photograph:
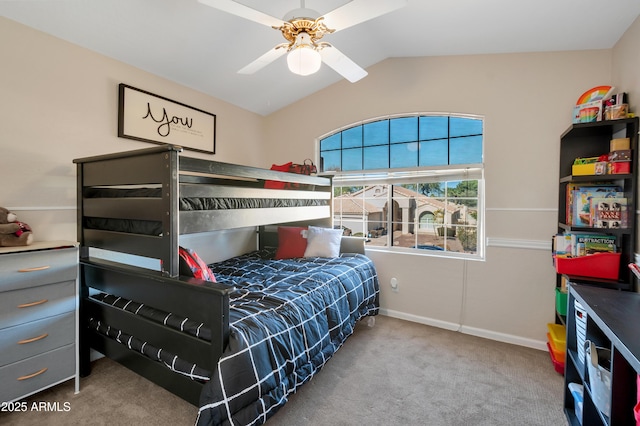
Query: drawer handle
(37, 268)
(30, 376)
(28, 305)
(33, 339)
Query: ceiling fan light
(304, 60)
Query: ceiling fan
(304, 28)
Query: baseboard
(473, 331)
(420, 320)
(506, 338)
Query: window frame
(412, 175)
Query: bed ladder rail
(198, 300)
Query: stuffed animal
(12, 232)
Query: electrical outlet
(394, 284)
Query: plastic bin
(583, 169)
(577, 391)
(599, 265)
(558, 352)
(561, 301)
(558, 336)
(557, 363)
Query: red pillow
(292, 242)
(192, 265)
(274, 184)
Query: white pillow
(323, 242)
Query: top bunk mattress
(192, 203)
(229, 201)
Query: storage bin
(598, 359)
(577, 391)
(616, 112)
(558, 365)
(558, 336)
(561, 301)
(583, 169)
(558, 351)
(581, 329)
(599, 265)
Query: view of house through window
(409, 183)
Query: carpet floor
(394, 373)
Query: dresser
(38, 317)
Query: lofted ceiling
(203, 48)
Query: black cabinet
(612, 314)
(584, 140)
(612, 322)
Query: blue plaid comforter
(287, 318)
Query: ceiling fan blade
(342, 64)
(265, 59)
(358, 11)
(243, 11)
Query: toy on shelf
(13, 232)
(590, 105)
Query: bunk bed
(227, 346)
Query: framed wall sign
(146, 117)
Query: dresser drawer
(34, 303)
(36, 337)
(33, 268)
(30, 375)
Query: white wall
(526, 100)
(626, 63)
(59, 101)
(626, 75)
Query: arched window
(428, 166)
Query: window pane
(468, 237)
(348, 210)
(330, 161)
(468, 212)
(426, 220)
(375, 203)
(434, 128)
(404, 155)
(377, 233)
(403, 215)
(403, 129)
(404, 235)
(434, 153)
(432, 189)
(465, 188)
(466, 150)
(376, 157)
(410, 187)
(352, 159)
(376, 133)
(352, 138)
(465, 126)
(332, 142)
(344, 190)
